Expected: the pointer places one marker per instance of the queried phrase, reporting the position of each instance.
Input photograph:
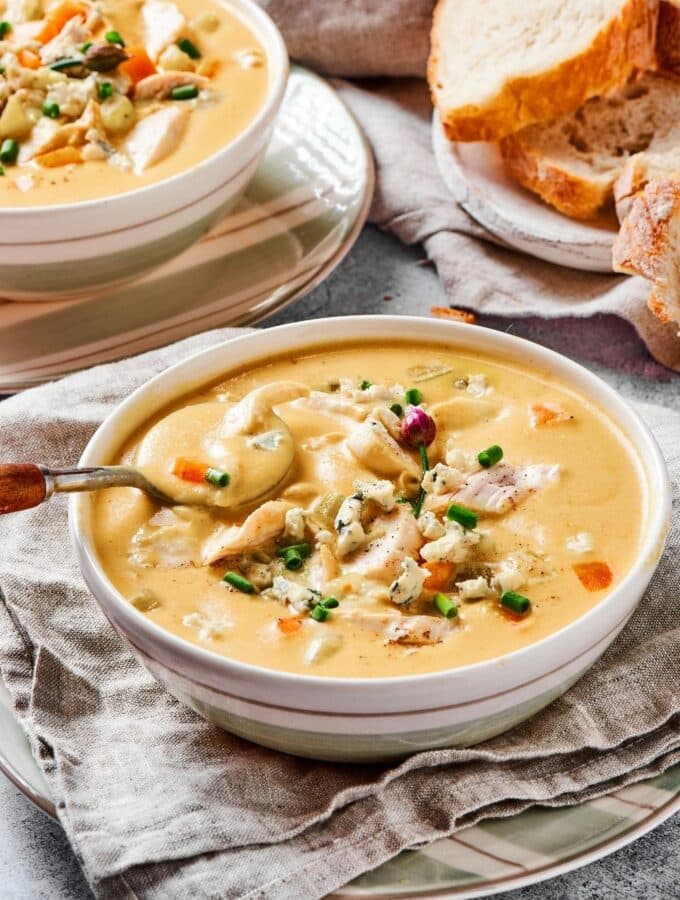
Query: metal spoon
(24, 485)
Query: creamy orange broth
(598, 492)
(238, 87)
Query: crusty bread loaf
(496, 67)
(668, 37)
(573, 162)
(648, 244)
(645, 167)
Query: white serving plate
(475, 175)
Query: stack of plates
(300, 215)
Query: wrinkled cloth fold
(158, 803)
(363, 38)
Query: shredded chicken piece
(397, 537)
(156, 136)
(160, 85)
(67, 43)
(496, 490)
(265, 524)
(374, 447)
(163, 24)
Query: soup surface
(99, 97)
(377, 510)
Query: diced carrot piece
(189, 470)
(28, 59)
(450, 312)
(546, 414)
(138, 66)
(289, 626)
(594, 576)
(58, 16)
(440, 576)
(63, 156)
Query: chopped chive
(2, 70)
(445, 605)
(418, 505)
(516, 603)
(184, 92)
(425, 463)
(113, 37)
(5, 28)
(2, 170)
(51, 110)
(303, 549)
(239, 582)
(105, 90)
(63, 65)
(330, 603)
(292, 559)
(320, 613)
(462, 515)
(403, 500)
(414, 396)
(188, 47)
(365, 385)
(397, 409)
(217, 477)
(85, 47)
(490, 456)
(9, 150)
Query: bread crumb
(450, 312)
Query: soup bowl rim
(529, 663)
(278, 62)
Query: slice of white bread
(648, 244)
(573, 162)
(496, 66)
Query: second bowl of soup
(378, 545)
(126, 130)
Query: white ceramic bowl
(371, 719)
(75, 249)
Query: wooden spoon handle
(22, 485)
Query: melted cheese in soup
(341, 557)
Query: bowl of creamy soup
(127, 129)
(387, 534)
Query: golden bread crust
(626, 44)
(578, 198)
(644, 244)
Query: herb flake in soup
(333, 549)
(99, 97)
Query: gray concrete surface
(36, 861)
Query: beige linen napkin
(160, 804)
(355, 38)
